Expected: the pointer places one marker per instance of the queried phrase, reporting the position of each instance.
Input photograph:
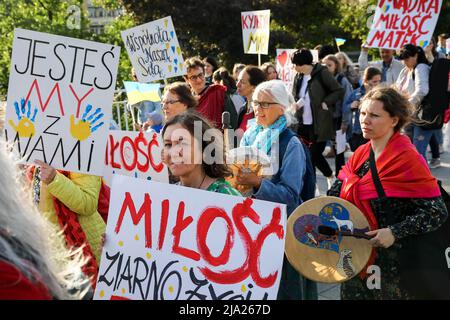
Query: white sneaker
(330, 181)
(326, 151)
(317, 192)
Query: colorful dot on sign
(123, 291)
(170, 289)
(165, 23)
(102, 294)
(185, 269)
(136, 237)
(149, 255)
(243, 288)
(120, 243)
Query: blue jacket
(286, 185)
(357, 94)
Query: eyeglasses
(263, 105)
(169, 101)
(199, 76)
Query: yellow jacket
(78, 192)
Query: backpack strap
(309, 179)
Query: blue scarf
(262, 138)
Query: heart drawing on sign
(282, 58)
(332, 215)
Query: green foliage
(50, 16)
(214, 27)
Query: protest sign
(154, 50)
(256, 31)
(135, 154)
(177, 243)
(285, 68)
(397, 23)
(59, 100)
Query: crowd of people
(387, 108)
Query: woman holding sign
(271, 135)
(186, 156)
(69, 200)
(390, 183)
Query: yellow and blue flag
(137, 92)
(340, 41)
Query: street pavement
(332, 291)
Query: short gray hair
(278, 91)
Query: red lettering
(387, 43)
(273, 227)
(204, 223)
(244, 22)
(157, 167)
(400, 34)
(113, 146)
(434, 5)
(181, 224)
(78, 99)
(379, 35)
(424, 19)
(43, 106)
(383, 18)
(137, 216)
(163, 226)
(138, 140)
(240, 211)
(129, 167)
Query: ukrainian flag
(340, 41)
(137, 92)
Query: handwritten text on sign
(59, 100)
(171, 242)
(154, 50)
(135, 154)
(399, 22)
(256, 31)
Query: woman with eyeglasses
(271, 135)
(177, 98)
(212, 98)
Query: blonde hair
(347, 60)
(32, 244)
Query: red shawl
(211, 104)
(73, 233)
(402, 170)
(75, 236)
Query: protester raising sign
(59, 100)
(154, 50)
(135, 154)
(167, 242)
(397, 23)
(256, 31)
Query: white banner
(59, 100)
(135, 154)
(167, 242)
(154, 50)
(397, 23)
(256, 31)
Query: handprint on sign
(83, 129)
(25, 127)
